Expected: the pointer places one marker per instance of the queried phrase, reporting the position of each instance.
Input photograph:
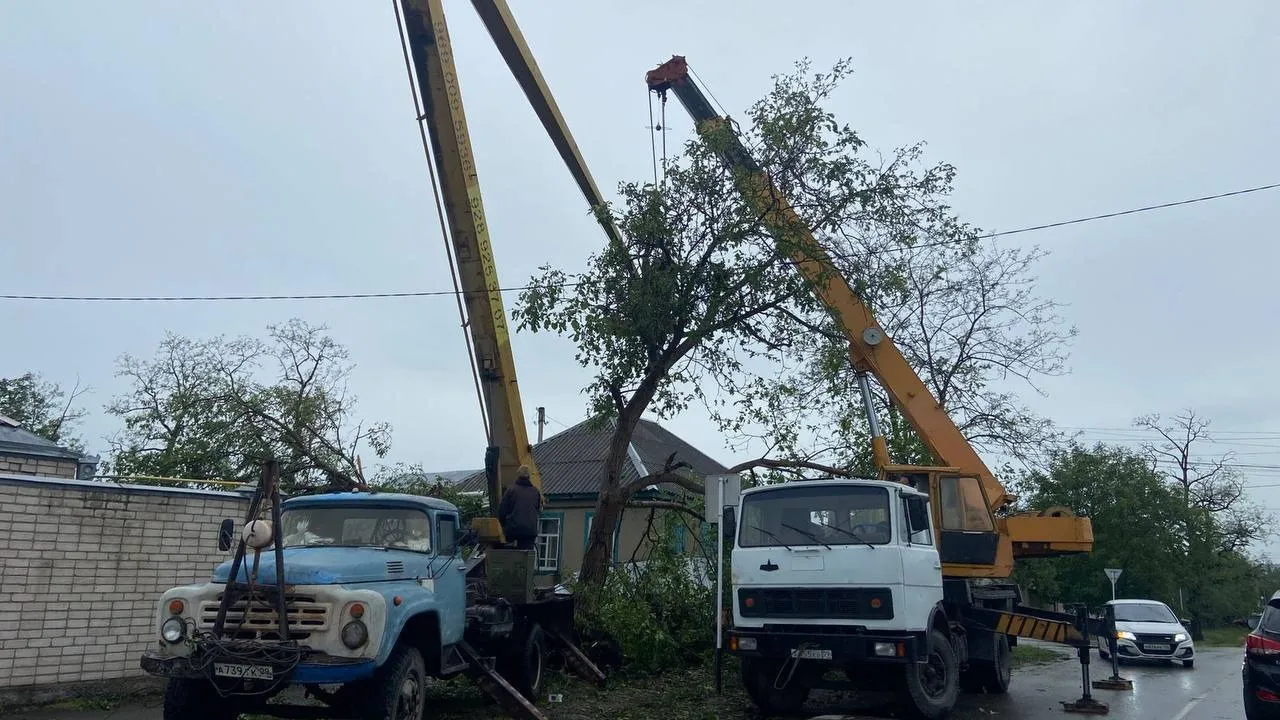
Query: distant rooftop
(14, 439)
(572, 461)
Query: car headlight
(1125, 635)
(354, 634)
(1179, 637)
(173, 630)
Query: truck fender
(419, 615)
(937, 621)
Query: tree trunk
(599, 552)
(613, 496)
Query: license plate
(1150, 646)
(811, 654)
(251, 672)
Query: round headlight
(354, 634)
(173, 630)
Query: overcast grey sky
(162, 148)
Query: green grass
(1032, 655)
(1229, 636)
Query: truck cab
(376, 598)
(838, 574)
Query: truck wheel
(758, 679)
(991, 676)
(929, 688)
(399, 688)
(186, 699)
(524, 667)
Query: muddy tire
(399, 689)
(758, 679)
(929, 689)
(990, 676)
(525, 668)
(186, 699)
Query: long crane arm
(871, 350)
(435, 78)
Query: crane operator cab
(965, 528)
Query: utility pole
(542, 421)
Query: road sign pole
(1113, 574)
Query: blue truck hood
(325, 566)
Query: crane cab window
(962, 505)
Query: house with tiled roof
(22, 452)
(572, 467)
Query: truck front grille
(816, 603)
(256, 619)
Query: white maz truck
(840, 575)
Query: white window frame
(549, 543)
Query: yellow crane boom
(968, 501)
(426, 37)
(430, 60)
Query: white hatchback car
(1148, 630)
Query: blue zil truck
(359, 598)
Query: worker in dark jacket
(519, 511)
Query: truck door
(921, 566)
(449, 576)
(968, 534)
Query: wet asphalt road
(1210, 691)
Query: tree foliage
(43, 407)
(214, 408)
(701, 304)
(1169, 549)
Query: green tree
(699, 298)
(700, 304)
(43, 407)
(1134, 515)
(214, 408)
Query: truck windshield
(1144, 612)
(816, 515)
(357, 526)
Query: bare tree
(1211, 484)
(211, 409)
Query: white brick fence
(82, 565)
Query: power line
(459, 293)
(1135, 210)
(312, 296)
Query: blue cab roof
(349, 498)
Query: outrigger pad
(1113, 683)
(1087, 706)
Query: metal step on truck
(358, 598)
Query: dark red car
(1262, 665)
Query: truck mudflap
(828, 646)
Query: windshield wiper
(853, 535)
(807, 534)
(775, 537)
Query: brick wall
(82, 565)
(45, 467)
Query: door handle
(460, 568)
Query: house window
(548, 543)
(677, 539)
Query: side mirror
(730, 527)
(226, 534)
(1186, 622)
